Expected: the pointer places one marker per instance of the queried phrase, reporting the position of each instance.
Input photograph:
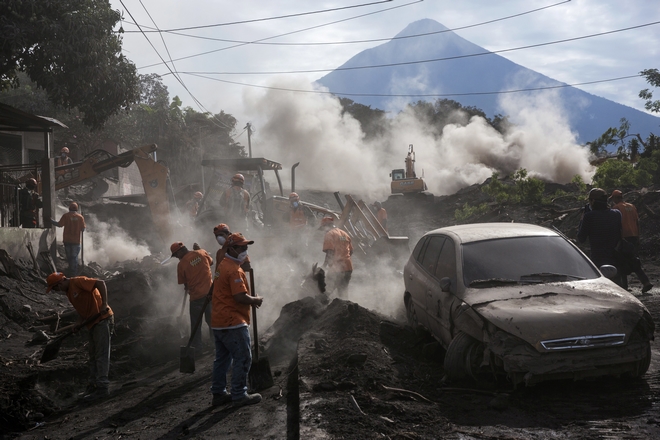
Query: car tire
(644, 364)
(411, 315)
(463, 358)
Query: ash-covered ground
(347, 369)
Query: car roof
(488, 231)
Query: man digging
(89, 297)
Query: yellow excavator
(154, 179)
(405, 181)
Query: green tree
(614, 173)
(653, 78)
(69, 49)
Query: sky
(243, 76)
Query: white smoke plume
(334, 155)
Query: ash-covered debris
(30, 317)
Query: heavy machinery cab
(405, 181)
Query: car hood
(542, 312)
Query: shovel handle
(254, 317)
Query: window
(429, 259)
(11, 149)
(447, 262)
(418, 248)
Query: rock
(26, 308)
(356, 359)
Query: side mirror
(445, 284)
(608, 271)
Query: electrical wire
(421, 95)
(266, 19)
(175, 75)
(408, 63)
(375, 40)
(288, 33)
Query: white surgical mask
(221, 240)
(295, 204)
(242, 256)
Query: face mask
(295, 204)
(242, 256)
(221, 240)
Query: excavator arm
(154, 179)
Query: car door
(427, 260)
(438, 303)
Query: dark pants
(195, 311)
(339, 281)
(72, 251)
(99, 353)
(232, 346)
(641, 276)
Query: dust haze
(335, 156)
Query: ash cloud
(334, 154)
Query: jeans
(99, 354)
(72, 251)
(232, 345)
(195, 310)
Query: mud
(347, 369)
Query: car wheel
(411, 315)
(464, 357)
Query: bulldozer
(405, 181)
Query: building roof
(13, 119)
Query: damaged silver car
(521, 301)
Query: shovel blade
(260, 376)
(51, 350)
(187, 360)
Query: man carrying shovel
(230, 318)
(194, 272)
(89, 297)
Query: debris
(355, 405)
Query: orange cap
(616, 193)
(325, 221)
(176, 246)
(53, 279)
(220, 228)
(237, 239)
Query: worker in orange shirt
(192, 205)
(89, 297)
(74, 225)
(230, 321)
(235, 202)
(630, 232)
(338, 250)
(381, 214)
(194, 272)
(221, 233)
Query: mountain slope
(589, 115)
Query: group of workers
(613, 235)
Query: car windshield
(523, 260)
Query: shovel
(187, 355)
(53, 346)
(260, 376)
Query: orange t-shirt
(73, 224)
(629, 219)
(86, 299)
(340, 242)
(297, 218)
(194, 270)
(225, 311)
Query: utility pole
(248, 127)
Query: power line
(168, 68)
(421, 95)
(265, 19)
(288, 33)
(408, 63)
(375, 40)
